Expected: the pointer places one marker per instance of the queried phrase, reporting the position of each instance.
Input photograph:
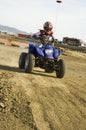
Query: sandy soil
(40, 101)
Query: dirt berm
(40, 101)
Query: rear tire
(29, 63)
(22, 60)
(61, 69)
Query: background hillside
(11, 29)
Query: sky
(68, 18)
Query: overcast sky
(68, 18)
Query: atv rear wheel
(61, 69)
(22, 60)
(29, 63)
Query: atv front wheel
(22, 60)
(61, 69)
(29, 63)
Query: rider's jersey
(43, 32)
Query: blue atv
(45, 56)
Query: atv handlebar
(47, 39)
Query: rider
(46, 32)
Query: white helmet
(48, 26)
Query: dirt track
(40, 101)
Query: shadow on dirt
(35, 72)
(41, 73)
(10, 68)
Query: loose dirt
(40, 101)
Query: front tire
(29, 63)
(22, 60)
(61, 69)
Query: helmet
(48, 26)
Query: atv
(42, 55)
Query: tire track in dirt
(41, 95)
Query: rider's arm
(52, 39)
(36, 35)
